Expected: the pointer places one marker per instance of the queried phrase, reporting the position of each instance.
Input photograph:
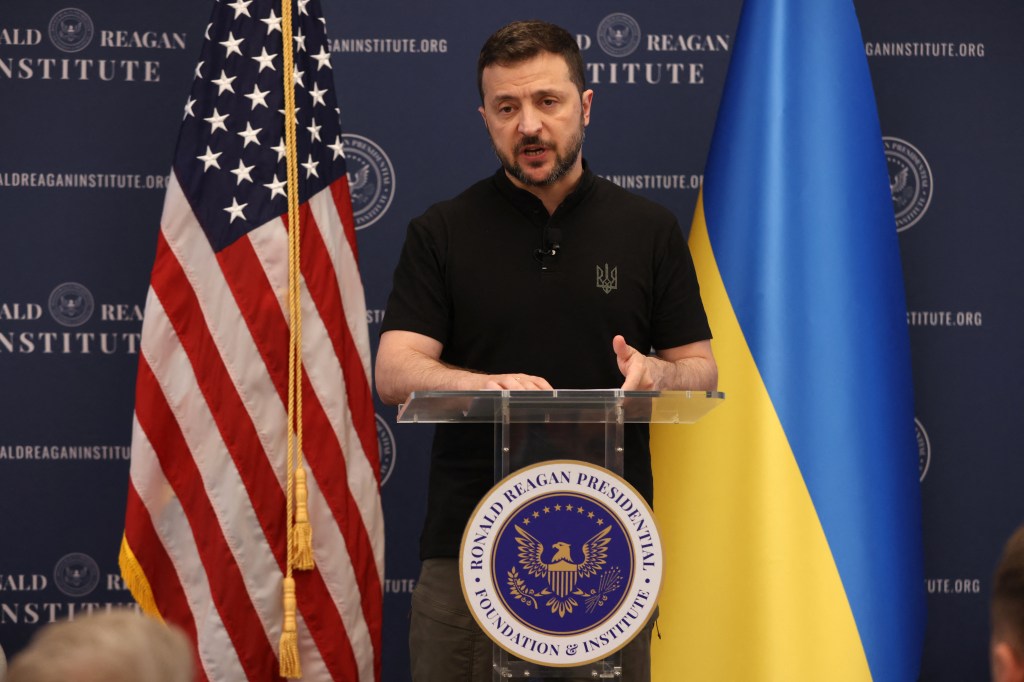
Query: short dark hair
(523, 40)
(1008, 593)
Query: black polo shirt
(470, 276)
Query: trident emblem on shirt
(607, 278)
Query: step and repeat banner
(91, 97)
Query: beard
(563, 162)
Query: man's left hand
(633, 365)
(687, 367)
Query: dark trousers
(447, 645)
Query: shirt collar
(533, 207)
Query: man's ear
(1007, 665)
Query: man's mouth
(532, 150)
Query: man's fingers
(518, 382)
(621, 348)
(532, 383)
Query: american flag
(205, 531)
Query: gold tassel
(302, 532)
(289, 650)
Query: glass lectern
(536, 426)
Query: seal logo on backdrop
(618, 34)
(561, 563)
(71, 30)
(910, 181)
(386, 448)
(924, 449)
(371, 179)
(76, 574)
(71, 304)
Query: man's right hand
(517, 382)
(407, 362)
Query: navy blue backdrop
(87, 127)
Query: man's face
(535, 117)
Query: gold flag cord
(300, 533)
(299, 554)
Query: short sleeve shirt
(473, 274)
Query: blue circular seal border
(924, 449)
(565, 509)
(914, 184)
(71, 304)
(371, 178)
(626, 30)
(516, 576)
(76, 574)
(386, 448)
(73, 42)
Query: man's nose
(529, 121)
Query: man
(1008, 613)
(496, 289)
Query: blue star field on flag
(230, 158)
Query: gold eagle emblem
(561, 572)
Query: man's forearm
(687, 374)
(411, 370)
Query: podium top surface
(560, 406)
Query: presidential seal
(76, 574)
(371, 179)
(618, 35)
(910, 181)
(924, 449)
(71, 304)
(71, 30)
(386, 448)
(561, 563)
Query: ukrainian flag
(792, 511)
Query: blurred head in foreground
(1008, 613)
(118, 646)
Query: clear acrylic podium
(536, 426)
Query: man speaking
(541, 276)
